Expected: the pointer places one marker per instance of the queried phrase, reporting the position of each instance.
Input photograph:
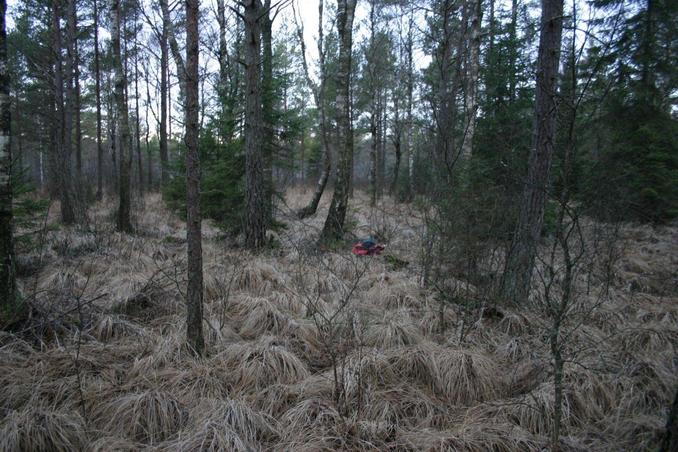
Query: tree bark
(333, 228)
(62, 155)
(267, 105)
(371, 66)
(255, 215)
(409, 120)
(164, 63)
(97, 93)
(194, 219)
(76, 104)
(149, 155)
(7, 276)
(124, 223)
(136, 103)
(520, 261)
(319, 97)
(473, 69)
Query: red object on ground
(360, 250)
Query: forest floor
(309, 349)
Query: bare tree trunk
(319, 97)
(371, 67)
(97, 92)
(136, 103)
(513, 48)
(410, 100)
(7, 276)
(267, 106)
(63, 130)
(255, 215)
(194, 219)
(383, 118)
(174, 48)
(124, 222)
(333, 228)
(113, 140)
(164, 63)
(397, 143)
(149, 155)
(473, 69)
(76, 107)
(520, 261)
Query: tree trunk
(470, 99)
(97, 92)
(76, 105)
(371, 67)
(136, 103)
(333, 228)
(7, 277)
(149, 155)
(267, 106)
(520, 261)
(319, 97)
(62, 157)
(164, 63)
(255, 184)
(397, 142)
(124, 223)
(410, 100)
(174, 48)
(194, 219)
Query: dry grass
(406, 380)
(256, 365)
(459, 376)
(396, 329)
(149, 416)
(42, 429)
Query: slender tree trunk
(97, 92)
(319, 96)
(470, 100)
(372, 175)
(149, 155)
(397, 143)
(255, 215)
(383, 118)
(194, 219)
(113, 130)
(124, 222)
(63, 119)
(267, 106)
(164, 63)
(7, 277)
(520, 261)
(371, 66)
(513, 48)
(333, 228)
(136, 103)
(76, 106)
(409, 119)
(176, 53)
(19, 132)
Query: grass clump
(40, 429)
(150, 416)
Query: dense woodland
(181, 184)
